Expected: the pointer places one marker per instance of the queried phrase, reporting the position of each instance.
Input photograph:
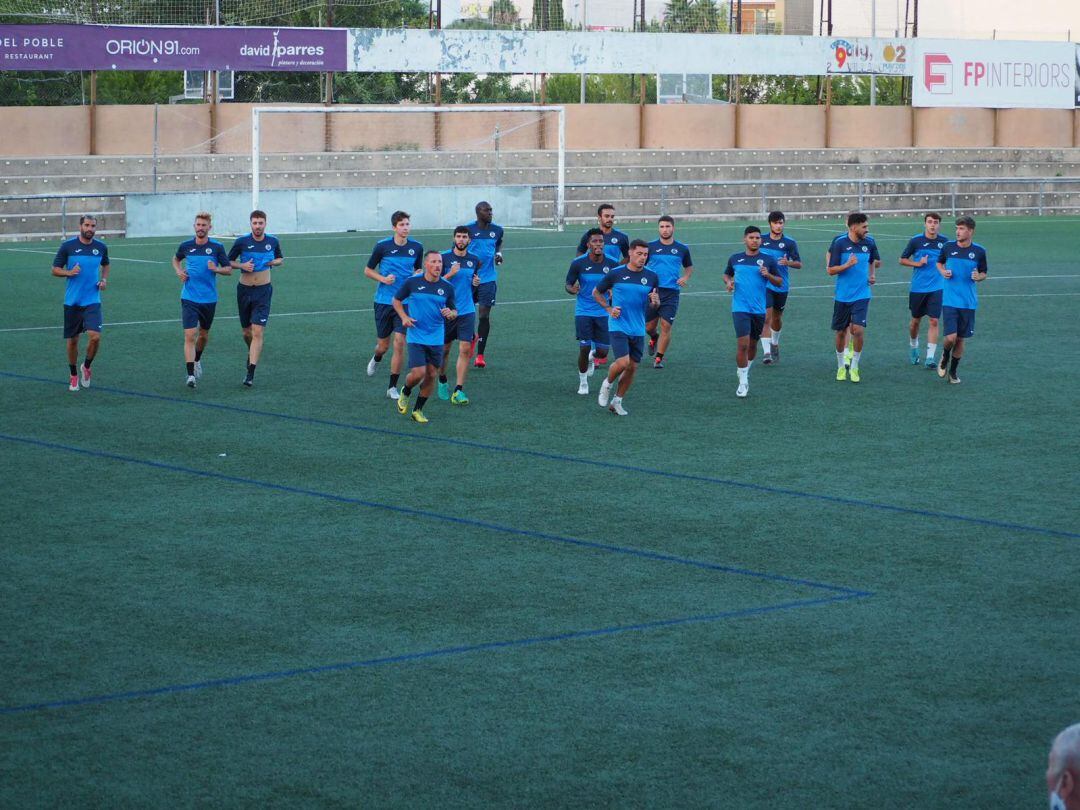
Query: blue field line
(607, 465)
(424, 513)
(442, 652)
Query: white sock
(616, 400)
(592, 355)
(931, 350)
(839, 359)
(776, 337)
(583, 376)
(605, 384)
(913, 342)
(766, 345)
(744, 374)
(855, 360)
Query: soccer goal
(516, 151)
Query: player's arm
(771, 272)
(59, 268)
(455, 268)
(909, 251)
(179, 266)
(941, 267)
(220, 264)
(450, 310)
(406, 321)
(729, 277)
(687, 270)
(599, 295)
(573, 285)
(103, 269)
(582, 246)
(372, 273)
(498, 248)
(981, 270)
(234, 258)
(835, 267)
(794, 260)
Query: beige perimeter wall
(187, 129)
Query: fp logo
(938, 73)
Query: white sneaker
(391, 393)
(84, 376)
(371, 366)
(73, 384)
(592, 364)
(605, 394)
(617, 408)
(742, 390)
(191, 381)
(583, 388)
(198, 369)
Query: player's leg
(950, 326)
(72, 345)
(916, 308)
(635, 351)
(483, 331)
(433, 356)
(417, 371)
(206, 320)
(745, 343)
(397, 359)
(652, 319)
(190, 337)
(444, 382)
(766, 330)
(466, 333)
(933, 314)
(663, 343)
(627, 378)
(620, 349)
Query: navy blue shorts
(387, 321)
(623, 344)
(420, 354)
(957, 321)
(775, 300)
(748, 323)
(669, 306)
(253, 304)
(846, 313)
(462, 328)
(485, 294)
(592, 329)
(193, 314)
(81, 319)
(925, 303)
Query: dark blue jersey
(616, 246)
(780, 248)
(588, 274)
(82, 290)
(399, 261)
(469, 265)
(485, 242)
(258, 251)
(201, 285)
(962, 261)
(425, 301)
(668, 262)
(854, 283)
(630, 292)
(926, 278)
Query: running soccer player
(253, 255)
(84, 262)
(590, 319)
(671, 262)
(431, 305)
(786, 252)
(461, 270)
(616, 243)
(396, 258)
(748, 275)
(486, 242)
(852, 259)
(198, 262)
(924, 299)
(963, 265)
(632, 288)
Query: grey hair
(1065, 752)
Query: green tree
(548, 15)
(688, 16)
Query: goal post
(487, 143)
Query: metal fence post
(63, 218)
(952, 198)
(1042, 188)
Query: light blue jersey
(782, 247)
(399, 261)
(201, 285)
(485, 242)
(926, 278)
(962, 261)
(82, 290)
(854, 283)
(462, 280)
(424, 302)
(750, 285)
(259, 252)
(588, 274)
(668, 262)
(630, 292)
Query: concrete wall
(185, 129)
(780, 126)
(1034, 128)
(870, 127)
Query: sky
(973, 19)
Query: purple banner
(134, 47)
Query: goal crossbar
(560, 186)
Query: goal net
(428, 158)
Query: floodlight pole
(873, 33)
(255, 158)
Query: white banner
(996, 74)
(474, 51)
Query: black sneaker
(249, 381)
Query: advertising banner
(124, 47)
(885, 57)
(1077, 83)
(994, 74)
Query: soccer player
(431, 305)
(84, 262)
(616, 243)
(461, 268)
(671, 262)
(198, 262)
(963, 265)
(393, 260)
(748, 275)
(786, 252)
(590, 319)
(486, 242)
(253, 255)
(632, 289)
(924, 299)
(852, 259)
